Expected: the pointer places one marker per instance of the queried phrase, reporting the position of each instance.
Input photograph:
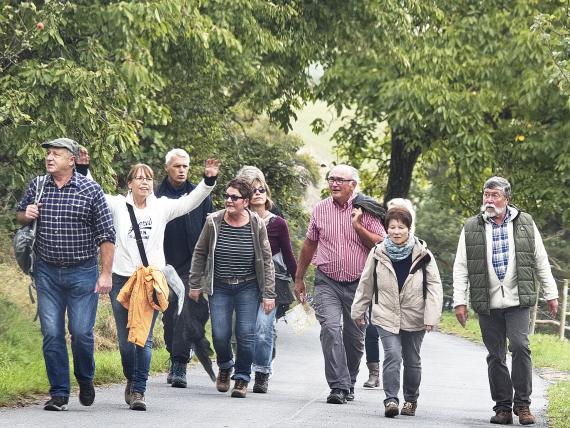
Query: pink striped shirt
(340, 253)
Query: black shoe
(337, 396)
(86, 393)
(261, 382)
(350, 395)
(137, 401)
(178, 375)
(57, 403)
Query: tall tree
(467, 84)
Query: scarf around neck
(399, 252)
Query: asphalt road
(454, 393)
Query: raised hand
(212, 167)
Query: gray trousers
(404, 346)
(342, 340)
(496, 328)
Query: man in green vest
(499, 256)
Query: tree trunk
(402, 162)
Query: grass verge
(547, 352)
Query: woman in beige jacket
(402, 282)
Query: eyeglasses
(149, 179)
(234, 198)
(259, 189)
(338, 180)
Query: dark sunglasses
(259, 189)
(234, 198)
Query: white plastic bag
(301, 317)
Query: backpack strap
(137, 235)
(423, 265)
(375, 281)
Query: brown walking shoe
(240, 389)
(409, 408)
(502, 417)
(223, 379)
(525, 417)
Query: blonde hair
(147, 171)
(251, 174)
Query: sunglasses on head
(259, 189)
(234, 198)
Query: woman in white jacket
(152, 214)
(402, 281)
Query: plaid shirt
(500, 255)
(73, 220)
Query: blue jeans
(70, 289)
(135, 359)
(244, 299)
(264, 336)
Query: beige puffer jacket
(399, 311)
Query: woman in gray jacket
(232, 263)
(402, 281)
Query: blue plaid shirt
(73, 222)
(501, 246)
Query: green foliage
(132, 79)
(465, 85)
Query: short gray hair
(353, 171)
(179, 153)
(500, 183)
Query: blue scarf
(399, 252)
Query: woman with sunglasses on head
(151, 215)
(285, 267)
(232, 263)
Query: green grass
(559, 405)
(547, 352)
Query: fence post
(562, 309)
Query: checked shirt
(73, 222)
(501, 246)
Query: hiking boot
(137, 401)
(128, 392)
(86, 393)
(350, 395)
(409, 408)
(170, 373)
(178, 375)
(240, 389)
(261, 382)
(525, 417)
(373, 376)
(502, 417)
(57, 403)
(223, 379)
(337, 396)
(391, 409)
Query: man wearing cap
(73, 221)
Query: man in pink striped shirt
(338, 241)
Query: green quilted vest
(477, 261)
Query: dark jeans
(372, 344)
(135, 359)
(342, 340)
(244, 300)
(72, 290)
(496, 328)
(176, 338)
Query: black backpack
(422, 264)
